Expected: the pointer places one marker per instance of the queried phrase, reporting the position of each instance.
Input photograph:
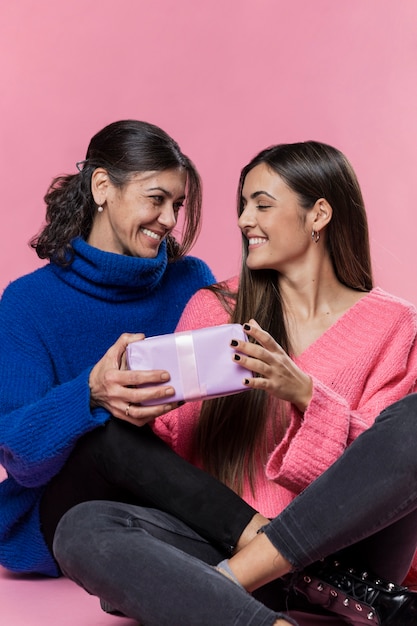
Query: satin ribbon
(187, 365)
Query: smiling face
(137, 217)
(275, 224)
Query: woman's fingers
(274, 371)
(114, 387)
(119, 387)
(257, 357)
(117, 351)
(262, 337)
(141, 415)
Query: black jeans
(123, 463)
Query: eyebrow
(165, 191)
(255, 194)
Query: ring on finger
(127, 409)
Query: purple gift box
(199, 362)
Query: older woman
(66, 404)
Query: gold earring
(315, 235)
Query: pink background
(226, 78)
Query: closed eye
(158, 199)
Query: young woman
(328, 351)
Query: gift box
(200, 362)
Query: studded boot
(359, 597)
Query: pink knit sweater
(364, 362)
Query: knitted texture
(364, 362)
(55, 324)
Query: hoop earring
(315, 236)
(100, 209)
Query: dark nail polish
(236, 357)
(246, 327)
(233, 343)
(246, 381)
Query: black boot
(359, 597)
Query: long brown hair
(230, 436)
(123, 149)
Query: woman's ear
(99, 185)
(321, 213)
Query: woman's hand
(113, 386)
(277, 373)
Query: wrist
(305, 398)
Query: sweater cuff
(313, 443)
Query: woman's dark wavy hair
(122, 148)
(231, 434)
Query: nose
(168, 216)
(246, 218)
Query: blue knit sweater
(55, 324)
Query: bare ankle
(251, 531)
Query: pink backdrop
(226, 78)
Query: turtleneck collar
(111, 276)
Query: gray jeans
(364, 507)
(152, 567)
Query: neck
(313, 301)
(312, 290)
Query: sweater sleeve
(40, 416)
(384, 370)
(205, 309)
